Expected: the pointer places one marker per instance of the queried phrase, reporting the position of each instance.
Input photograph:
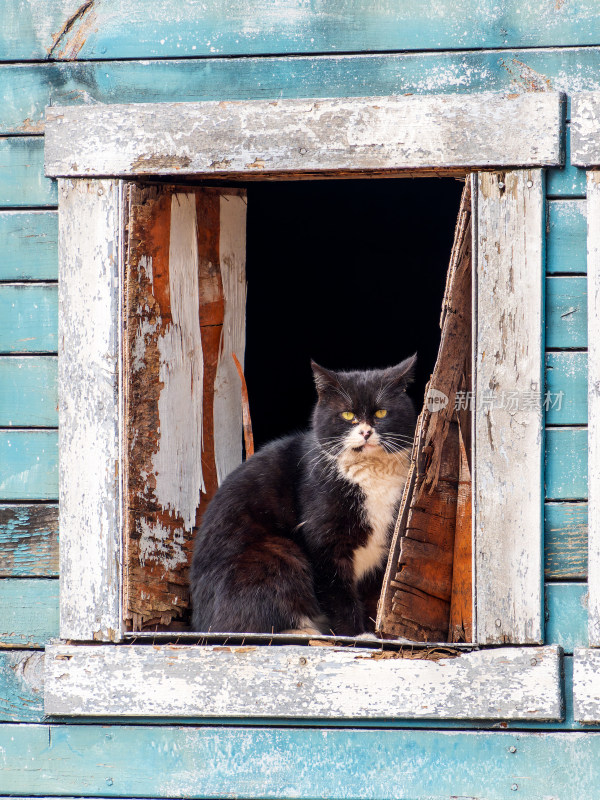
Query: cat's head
(364, 413)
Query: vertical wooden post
(508, 383)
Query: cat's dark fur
(297, 536)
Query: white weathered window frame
(515, 136)
(585, 152)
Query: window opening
(348, 272)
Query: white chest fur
(381, 477)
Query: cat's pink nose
(366, 434)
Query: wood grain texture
(586, 685)
(304, 136)
(593, 265)
(28, 465)
(585, 142)
(28, 540)
(566, 312)
(22, 180)
(21, 686)
(461, 603)
(507, 476)
(89, 328)
(29, 245)
(303, 763)
(28, 612)
(319, 682)
(68, 30)
(567, 615)
(566, 472)
(566, 541)
(566, 385)
(28, 391)
(185, 311)
(28, 318)
(30, 87)
(566, 235)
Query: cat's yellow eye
(348, 415)
(381, 413)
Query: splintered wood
(184, 316)
(426, 594)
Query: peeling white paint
(301, 682)
(508, 442)
(163, 545)
(177, 464)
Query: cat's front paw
(368, 635)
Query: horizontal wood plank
(21, 686)
(303, 136)
(28, 612)
(300, 682)
(586, 685)
(28, 391)
(28, 465)
(29, 540)
(284, 763)
(565, 541)
(22, 180)
(567, 615)
(566, 464)
(566, 237)
(28, 318)
(28, 242)
(566, 312)
(148, 29)
(566, 389)
(29, 88)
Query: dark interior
(350, 273)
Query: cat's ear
(403, 374)
(325, 381)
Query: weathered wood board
(593, 265)
(305, 136)
(28, 612)
(566, 541)
(566, 388)
(567, 615)
(30, 87)
(566, 312)
(28, 318)
(184, 317)
(566, 463)
(585, 141)
(301, 682)
(22, 181)
(508, 438)
(28, 391)
(29, 245)
(21, 686)
(566, 237)
(151, 28)
(287, 763)
(29, 540)
(89, 368)
(28, 464)
(586, 684)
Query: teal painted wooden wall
(106, 51)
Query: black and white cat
(296, 538)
